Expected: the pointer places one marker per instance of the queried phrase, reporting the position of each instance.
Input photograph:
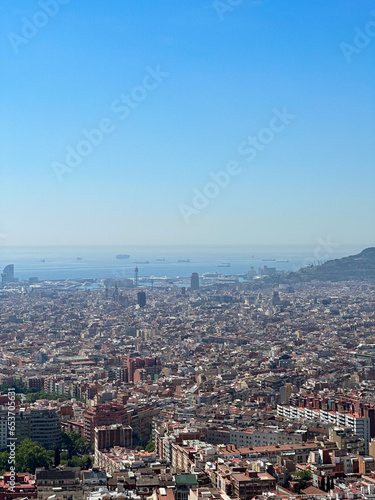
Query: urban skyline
(187, 250)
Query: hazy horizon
(260, 246)
(87, 262)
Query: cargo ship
(122, 256)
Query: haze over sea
(61, 262)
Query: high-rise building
(38, 424)
(141, 299)
(276, 299)
(194, 281)
(285, 393)
(131, 369)
(7, 276)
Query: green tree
(4, 465)
(57, 457)
(82, 446)
(150, 446)
(18, 386)
(84, 462)
(88, 462)
(30, 455)
(303, 477)
(75, 444)
(67, 443)
(74, 461)
(33, 396)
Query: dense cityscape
(187, 250)
(223, 390)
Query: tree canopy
(30, 455)
(75, 444)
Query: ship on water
(210, 275)
(122, 256)
(183, 260)
(224, 264)
(141, 262)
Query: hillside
(354, 267)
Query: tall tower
(7, 276)
(194, 281)
(141, 299)
(115, 293)
(136, 276)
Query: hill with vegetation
(355, 267)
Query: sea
(96, 262)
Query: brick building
(113, 435)
(104, 415)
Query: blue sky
(224, 69)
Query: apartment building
(38, 424)
(360, 425)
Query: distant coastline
(100, 261)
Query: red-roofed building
(246, 486)
(165, 494)
(18, 486)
